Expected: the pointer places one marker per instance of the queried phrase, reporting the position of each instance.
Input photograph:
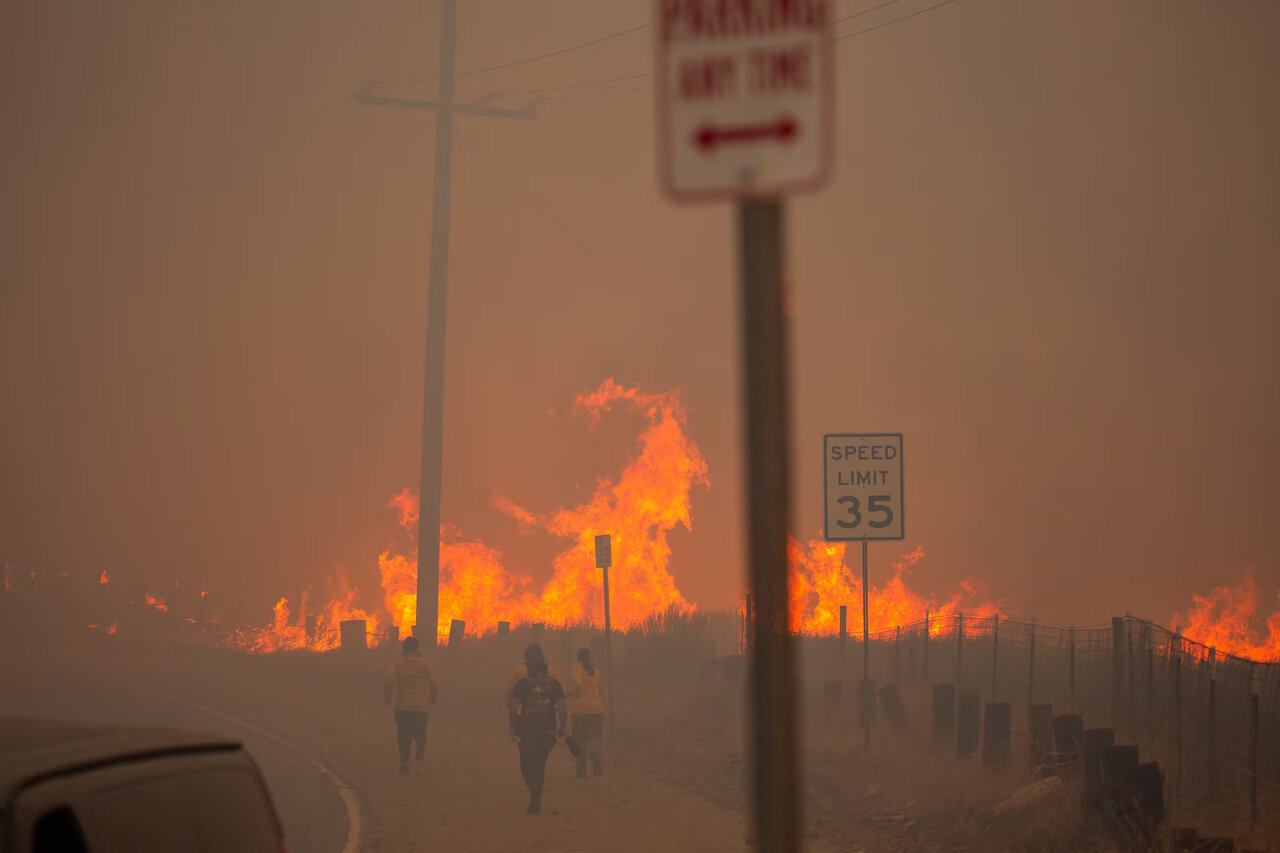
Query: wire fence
(1211, 720)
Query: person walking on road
(586, 704)
(411, 687)
(537, 713)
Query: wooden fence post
(1117, 668)
(995, 652)
(1031, 667)
(844, 630)
(924, 663)
(1213, 737)
(1176, 656)
(1151, 688)
(1071, 667)
(1253, 760)
(897, 654)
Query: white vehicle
(74, 788)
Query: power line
(561, 52)
(526, 60)
(865, 11)
(537, 91)
(879, 26)
(896, 20)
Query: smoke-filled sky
(1048, 256)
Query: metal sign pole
(866, 648)
(608, 647)
(604, 559)
(774, 770)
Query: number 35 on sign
(863, 480)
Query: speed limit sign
(863, 486)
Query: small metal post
(611, 681)
(866, 622)
(866, 648)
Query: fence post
(1031, 667)
(995, 651)
(897, 654)
(1253, 759)
(959, 647)
(924, 662)
(1151, 688)
(844, 630)
(1117, 668)
(1131, 673)
(1176, 656)
(1213, 734)
(1071, 667)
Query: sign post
(604, 559)
(862, 484)
(745, 112)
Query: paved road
(309, 804)
(467, 795)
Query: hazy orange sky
(1048, 256)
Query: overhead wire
(895, 20)
(645, 76)
(536, 92)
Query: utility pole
(428, 593)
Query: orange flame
(316, 629)
(648, 500)
(104, 578)
(1226, 619)
(157, 604)
(474, 586)
(820, 582)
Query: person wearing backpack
(537, 714)
(412, 686)
(586, 703)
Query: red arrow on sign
(709, 136)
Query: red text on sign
(760, 71)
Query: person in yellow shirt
(586, 704)
(411, 687)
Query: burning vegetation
(1227, 619)
(649, 498)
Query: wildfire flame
(1226, 618)
(316, 628)
(647, 501)
(157, 603)
(820, 582)
(104, 578)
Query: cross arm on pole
(371, 100)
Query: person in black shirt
(538, 713)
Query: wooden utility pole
(428, 590)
